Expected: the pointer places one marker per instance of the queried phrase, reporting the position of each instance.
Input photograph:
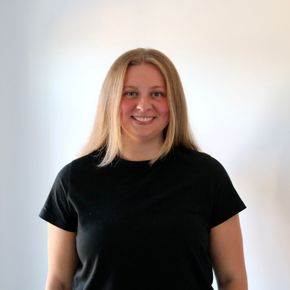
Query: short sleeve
(58, 210)
(226, 200)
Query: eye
(157, 94)
(130, 94)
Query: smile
(143, 119)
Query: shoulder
(195, 158)
(93, 157)
(80, 165)
(195, 162)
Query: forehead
(144, 73)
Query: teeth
(143, 119)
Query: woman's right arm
(62, 258)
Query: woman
(142, 208)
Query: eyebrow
(153, 87)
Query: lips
(144, 119)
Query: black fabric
(142, 227)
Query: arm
(62, 259)
(227, 255)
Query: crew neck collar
(120, 160)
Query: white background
(234, 60)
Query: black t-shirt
(143, 227)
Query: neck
(140, 150)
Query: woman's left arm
(228, 256)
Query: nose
(144, 104)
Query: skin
(62, 259)
(228, 256)
(144, 112)
(144, 96)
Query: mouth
(143, 119)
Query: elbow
(233, 284)
(56, 285)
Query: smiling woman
(142, 208)
(136, 75)
(144, 112)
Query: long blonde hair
(106, 132)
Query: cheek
(126, 106)
(163, 109)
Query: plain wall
(233, 58)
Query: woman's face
(144, 105)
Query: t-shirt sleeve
(226, 200)
(58, 209)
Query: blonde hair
(106, 132)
